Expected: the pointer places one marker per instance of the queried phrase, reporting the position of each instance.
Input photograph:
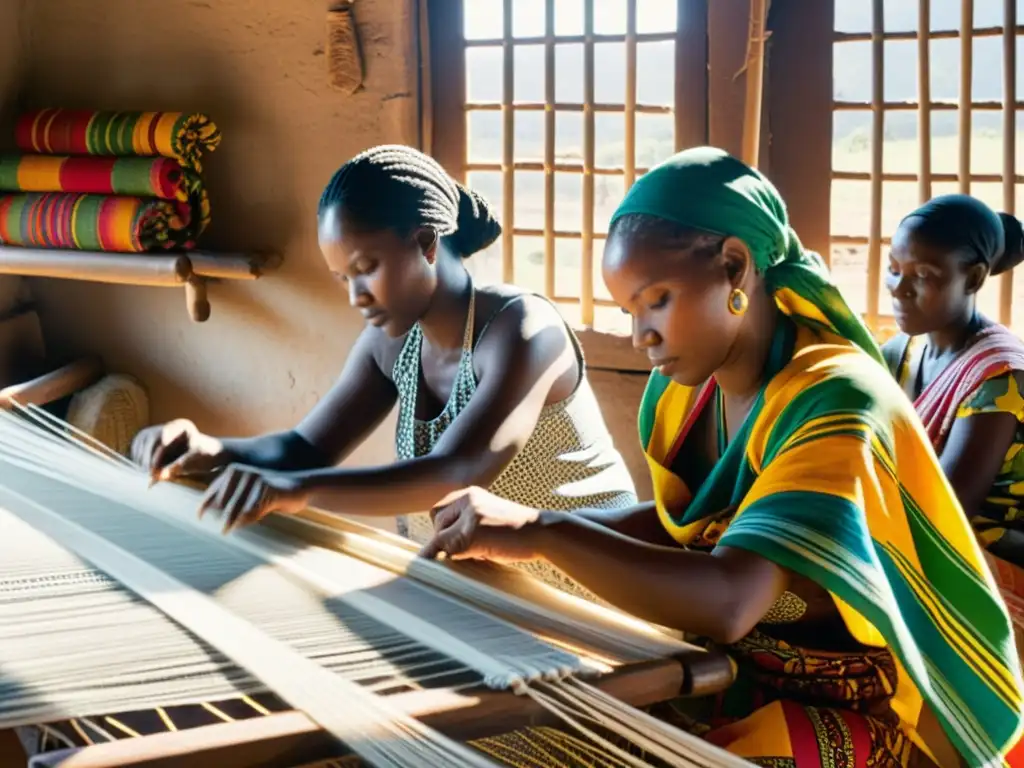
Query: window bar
(1009, 144)
(939, 34)
(587, 242)
(906, 106)
(964, 108)
(877, 137)
(684, 10)
(630, 116)
(549, 148)
(924, 99)
(508, 149)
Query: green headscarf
(708, 189)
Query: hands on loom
(178, 449)
(474, 524)
(242, 495)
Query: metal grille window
(551, 109)
(925, 103)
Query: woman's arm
(356, 403)
(638, 522)
(524, 353)
(721, 595)
(974, 452)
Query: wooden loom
(630, 661)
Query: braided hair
(399, 188)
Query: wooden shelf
(189, 270)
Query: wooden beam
(117, 268)
(728, 21)
(691, 92)
(448, 102)
(800, 115)
(291, 738)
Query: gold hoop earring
(737, 302)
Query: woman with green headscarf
(800, 519)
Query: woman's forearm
(404, 487)
(638, 522)
(686, 590)
(278, 451)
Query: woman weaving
(801, 518)
(964, 372)
(490, 386)
(490, 383)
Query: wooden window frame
(1010, 31)
(444, 132)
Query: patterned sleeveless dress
(568, 463)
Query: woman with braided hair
(489, 382)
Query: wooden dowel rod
(964, 109)
(980, 178)
(508, 149)
(924, 99)
(116, 268)
(936, 106)
(549, 149)
(560, 234)
(1009, 145)
(232, 266)
(53, 386)
(754, 74)
(937, 34)
(587, 240)
(874, 275)
(196, 300)
(291, 738)
(840, 239)
(629, 114)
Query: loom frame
(291, 738)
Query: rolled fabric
(160, 177)
(96, 222)
(179, 135)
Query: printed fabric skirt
(789, 708)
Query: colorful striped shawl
(160, 177)
(181, 135)
(96, 223)
(993, 351)
(832, 477)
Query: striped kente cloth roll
(95, 222)
(160, 177)
(180, 135)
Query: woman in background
(963, 371)
(800, 520)
(490, 383)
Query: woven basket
(111, 411)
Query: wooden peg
(196, 299)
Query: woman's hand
(474, 524)
(244, 495)
(178, 449)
